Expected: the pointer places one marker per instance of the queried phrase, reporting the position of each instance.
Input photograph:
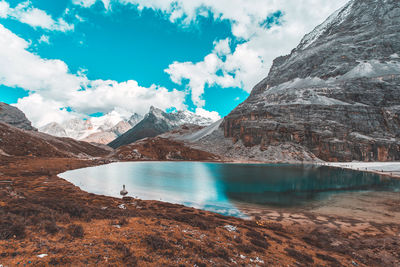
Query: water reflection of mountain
(216, 187)
(290, 185)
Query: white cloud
(44, 39)
(213, 115)
(222, 47)
(89, 3)
(199, 75)
(241, 69)
(42, 111)
(4, 9)
(104, 96)
(26, 70)
(53, 87)
(26, 13)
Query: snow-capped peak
(114, 122)
(336, 18)
(178, 118)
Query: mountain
(159, 148)
(15, 117)
(18, 142)
(54, 129)
(19, 138)
(337, 94)
(101, 130)
(157, 122)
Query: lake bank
(391, 169)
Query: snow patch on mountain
(178, 118)
(373, 68)
(95, 129)
(157, 122)
(193, 137)
(336, 18)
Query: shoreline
(390, 169)
(126, 231)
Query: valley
(308, 166)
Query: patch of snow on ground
(230, 228)
(392, 168)
(193, 137)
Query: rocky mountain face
(15, 117)
(101, 130)
(159, 148)
(337, 94)
(157, 122)
(18, 142)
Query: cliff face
(15, 117)
(337, 94)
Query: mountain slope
(13, 116)
(18, 142)
(101, 130)
(337, 94)
(157, 122)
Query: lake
(222, 187)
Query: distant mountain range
(19, 139)
(115, 129)
(157, 122)
(100, 130)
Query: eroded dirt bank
(41, 213)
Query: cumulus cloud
(262, 30)
(44, 39)
(42, 111)
(213, 115)
(26, 70)
(104, 96)
(56, 94)
(26, 13)
(198, 75)
(89, 3)
(4, 9)
(241, 69)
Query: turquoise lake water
(219, 187)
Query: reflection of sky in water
(215, 187)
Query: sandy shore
(384, 168)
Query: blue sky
(79, 57)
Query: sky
(69, 59)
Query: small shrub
(299, 256)
(254, 234)
(222, 253)
(76, 230)
(51, 227)
(127, 256)
(328, 258)
(157, 243)
(9, 228)
(260, 243)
